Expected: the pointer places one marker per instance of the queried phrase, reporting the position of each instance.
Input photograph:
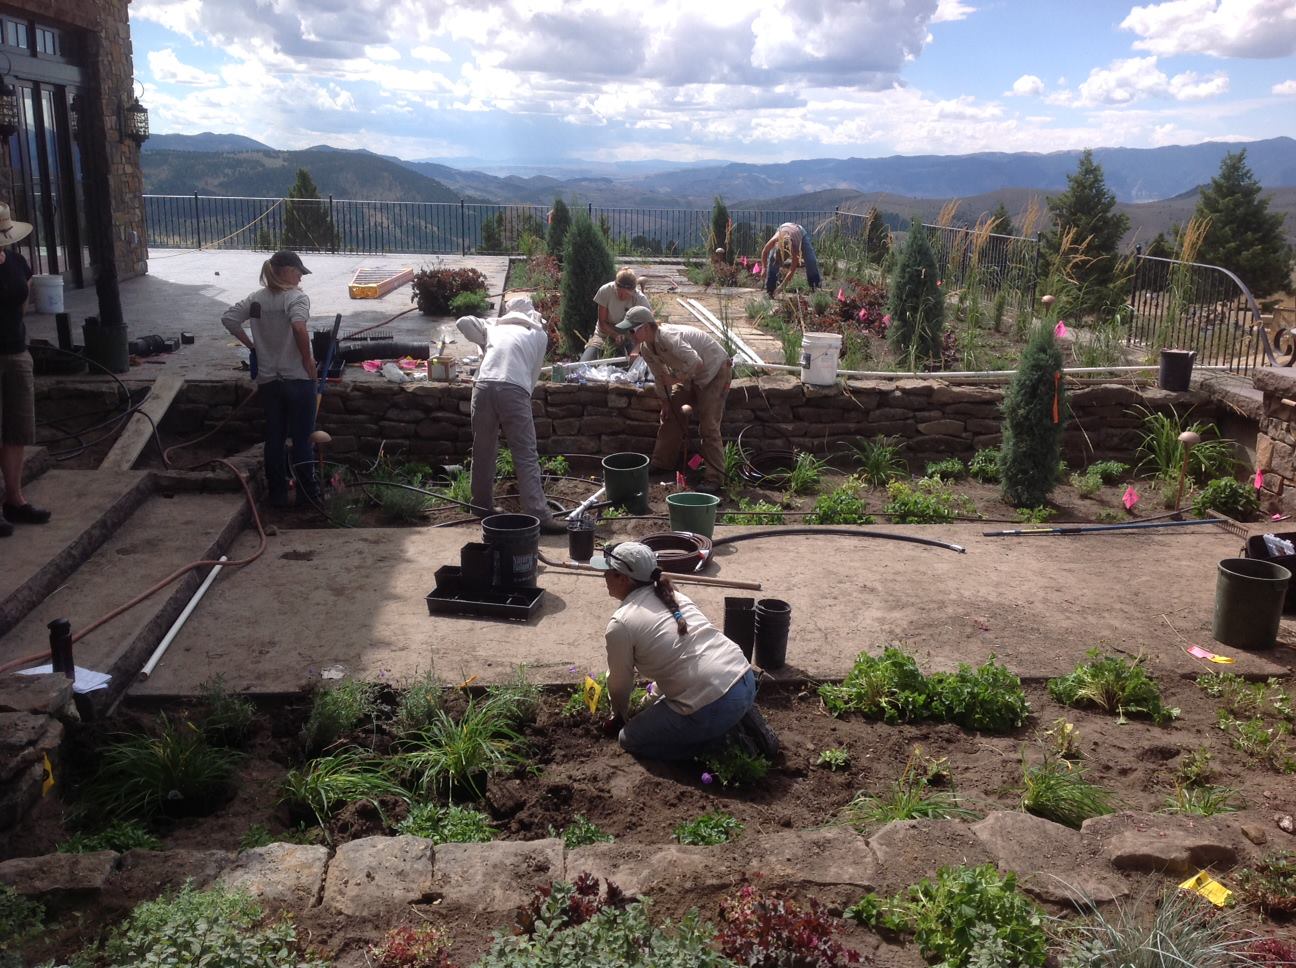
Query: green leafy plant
(910, 797)
(504, 466)
(767, 929)
(1108, 471)
(473, 303)
(916, 304)
(1162, 451)
(411, 946)
(1087, 484)
(1200, 801)
(806, 474)
(947, 469)
(435, 288)
(1039, 515)
(879, 460)
(226, 719)
(965, 916)
(1227, 496)
(841, 505)
(758, 308)
(420, 698)
(580, 833)
(20, 918)
(328, 783)
(734, 766)
(928, 501)
(454, 757)
(215, 928)
(1110, 516)
(121, 836)
(576, 707)
(1062, 740)
(401, 504)
(337, 710)
(173, 772)
(987, 698)
(447, 825)
(834, 758)
(555, 466)
(1271, 884)
(459, 489)
(1196, 769)
(518, 700)
(984, 466)
(889, 687)
(259, 835)
(1113, 685)
(708, 830)
(1057, 790)
(1034, 411)
(1260, 741)
(1243, 698)
(754, 513)
(1182, 929)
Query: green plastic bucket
(691, 511)
(1249, 598)
(625, 476)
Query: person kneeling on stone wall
(688, 367)
(706, 687)
(513, 349)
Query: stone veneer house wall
(70, 63)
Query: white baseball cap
(633, 559)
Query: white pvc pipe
(551, 367)
(580, 508)
(165, 644)
(707, 318)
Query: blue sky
(549, 82)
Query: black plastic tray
(451, 598)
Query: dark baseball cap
(286, 259)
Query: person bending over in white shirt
(707, 688)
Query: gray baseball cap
(635, 317)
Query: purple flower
(707, 779)
(652, 689)
(572, 669)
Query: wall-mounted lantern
(134, 121)
(9, 117)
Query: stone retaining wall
(432, 420)
(1276, 441)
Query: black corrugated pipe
(885, 535)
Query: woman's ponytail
(666, 593)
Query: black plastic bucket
(740, 623)
(516, 539)
(1176, 370)
(1249, 597)
(106, 345)
(580, 540)
(625, 476)
(477, 565)
(773, 619)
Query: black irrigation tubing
(885, 535)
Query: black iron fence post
(1030, 303)
(463, 230)
(197, 221)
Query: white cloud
(950, 10)
(1284, 88)
(1220, 28)
(1135, 79)
(179, 16)
(433, 55)
(166, 68)
(382, 52)
(1026, 85)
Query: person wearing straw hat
(791, 245)
(17, 382)
(688, 367)
(284, 373)
(614, 299)
(706, 688)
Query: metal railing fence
(1191, 306)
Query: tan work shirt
(691, 670)
(684, 353)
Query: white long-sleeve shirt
(513, 347)
(691, 670)
(278, 355)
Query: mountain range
(1156, 186)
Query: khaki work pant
(708, 402)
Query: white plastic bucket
(49, 293)
(819, 352)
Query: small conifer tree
(559, 223)
(587, 264)
(1242, 234)
(307, 225)
(720, 231)
(877, 235)
(917, 305)
(1002, 221)
(1034, 414)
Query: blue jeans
(289, 412)
(660, 733)
(808, 258)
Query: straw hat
(11, 231)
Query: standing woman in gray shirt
(284, 371)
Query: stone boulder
(643, 869)
(375, 874)
(1163, 843)
(280, 875)
(495, 877)
(1052, 862)
(60, 881)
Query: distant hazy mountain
(207, 141)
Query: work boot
(6, 529)
(754, 726)
(25, 514)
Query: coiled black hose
(846, 532)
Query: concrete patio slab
(353, 601)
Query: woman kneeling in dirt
(706, 688)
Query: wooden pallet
(376, 283)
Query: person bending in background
(688, 367)
(17, 382)
(513, 349)
(791, 244)
(706, 686)
(284, 373)
(614, 300)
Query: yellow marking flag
(593, 692)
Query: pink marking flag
(1197, 652)
(1259, 479)
(695, 462)
(1060, 330)
(1130, 498)
(680, 482)
(841, 295)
